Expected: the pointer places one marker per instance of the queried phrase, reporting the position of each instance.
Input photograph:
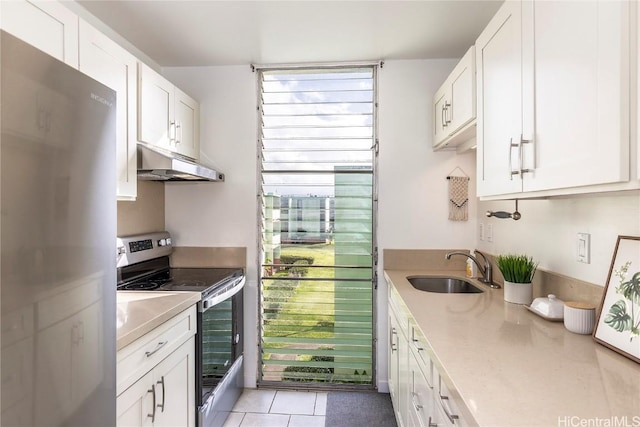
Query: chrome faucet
(486, 271)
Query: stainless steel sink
(443, 285)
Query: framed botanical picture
(618, 325)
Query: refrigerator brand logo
(101, 100)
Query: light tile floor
(278, 408)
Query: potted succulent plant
(518, 271)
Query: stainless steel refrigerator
(57, 232)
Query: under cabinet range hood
(155, 164)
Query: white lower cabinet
(164, 396)
(419, 394)
(398, 369)
(157, 375)
(421, 403)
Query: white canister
(579, 317)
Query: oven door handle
(216, 299)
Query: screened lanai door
(317, 191)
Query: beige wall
(144, 215)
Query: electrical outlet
(482, 231)
(489, 232)
(583, 248)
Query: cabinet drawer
(397, 308)
(421, 397)
(142, 355)
(421, 349)
(447, 405)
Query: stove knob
(168, 241)
(162, 242)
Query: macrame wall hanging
(458, 196)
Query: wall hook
(503, 215)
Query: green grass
(302, 309)
(323, 254)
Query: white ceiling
(197, 33)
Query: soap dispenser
(471, 268)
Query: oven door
(219, 361)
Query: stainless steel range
(143, 264)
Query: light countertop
(511, 367)
(140, 312)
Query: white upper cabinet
(155, 108)
(553, 88)
(454, 105)
(110, 64)
(167, 117)
(581, 95)
(47, 25)
(499, 74)
(187, 117)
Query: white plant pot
(518, 293)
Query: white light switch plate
(583, 249)
(489, 232)
(482, 231)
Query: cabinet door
(47, 25)
(463, 89)
(581, 76)
(174, 379)
(403, 380)
(499, 84)
(134, 407)
(440, 106)
(107, 62)
(421, 396)
(156, 124)
(392, 358)
(187, 117)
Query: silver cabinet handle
(153, 392)
(158, 347)
(414, 339)
(511, 147)
(443, 119)
(161, 382)
(413, 400)
(392, 332)
(446, 108)
(447, 412)
(178, 126)
(522, 142)
(431, 424)
(172, 131)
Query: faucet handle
(484, 257)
